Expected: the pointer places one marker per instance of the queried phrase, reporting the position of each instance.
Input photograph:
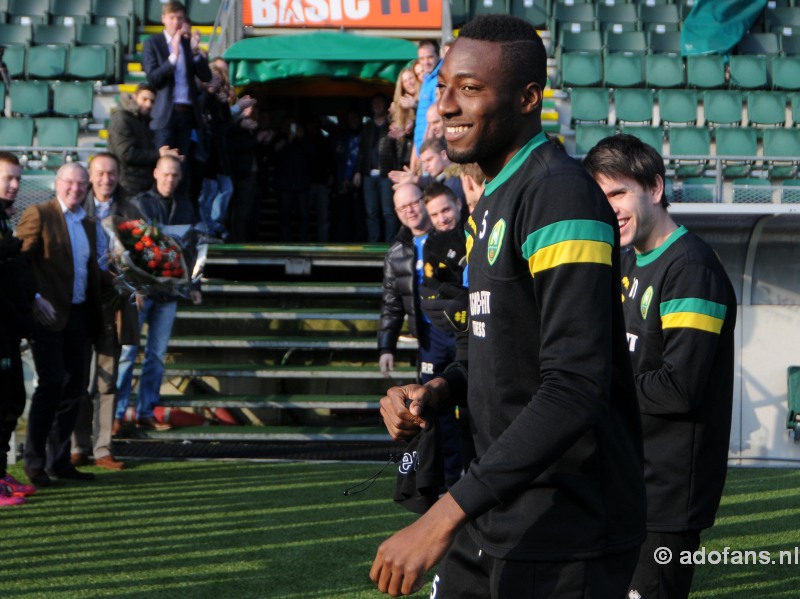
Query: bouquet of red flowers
(146, 259)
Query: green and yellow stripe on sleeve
(569, 242)
(693, 313)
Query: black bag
(420, 472)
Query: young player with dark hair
(553, 506)
(680, 312)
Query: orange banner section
(352, 14)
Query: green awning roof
(321, 53)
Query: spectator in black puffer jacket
(131, 140)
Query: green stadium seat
(16, 131)
(533, 11)
(659, 17)
(575, 18)
(73, 98)
(664, 70)
(634, 105)
(794, 100)
(664, 42)
(107, 37)
(589, 104)
(477, 7)
(653, 136)
(579, 59)
(736, 141)
(785, 71)
(696, 189)
(617, 18)
(780, 18)
(28, 12)
(706, 71)
(766, 44)
(750, 190)
(689, 141)
(53, 35)
(15, 58)
(748, 71)
(91, 63)
(58, 132)
(14, 34)
(70, 12)
(790, 44)
(30, 98)
(767, 109)
(677, 106)
(723, 107)
(459, 12)
(47, 62)
(587, 136)
(204, 12)
(781, 152)
(685, 7)
(152, 12)
(119, 15)
(624, 59)
(790, 191)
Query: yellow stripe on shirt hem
(574, 251)
(692, 320)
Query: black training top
(680, 311)
(557, 431)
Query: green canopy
(318, 54)
(714, 27)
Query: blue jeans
(379, 206)
(159, 317)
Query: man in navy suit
(172, 60)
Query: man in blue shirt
(428, 57)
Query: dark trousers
(178, 134)
(59, 359)
(12, 396)
(466, 572)
(672, 580)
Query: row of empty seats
(40, 139)
(637, 58)
(42, 98)
(686, 107)
(200, 12)
(738, 148)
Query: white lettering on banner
(297, 12)
(480, 303)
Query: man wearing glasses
(60, 244)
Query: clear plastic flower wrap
(154, 259)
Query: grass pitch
(285, 530)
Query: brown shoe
(152, 424)
(109, 463)
(79, 459)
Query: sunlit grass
(237, 529)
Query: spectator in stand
(428, 56)
(321, 175)
(132, 142)
(291, 178)
(93, 427)
(172, 61)
(372, 174)
(61, 245)
(348, 222)
(402, 115)
(159, 206)
(435, 125)
(16, 323)
(437, 167)
(473, 182)
(249, 141)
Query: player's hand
(401, 410)
(196, 296)
(403, 559)
(386, 363)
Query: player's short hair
(436, 189)
(472, 169)
(624, 155)
(522, 50)
(434, 144)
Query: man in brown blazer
(60, 243)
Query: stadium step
(294, 401)
(261, 433)
(283, 343)
(261, 371)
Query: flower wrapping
(146, 259)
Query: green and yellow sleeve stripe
(693, 313)
(569, 242)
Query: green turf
(262, 530)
